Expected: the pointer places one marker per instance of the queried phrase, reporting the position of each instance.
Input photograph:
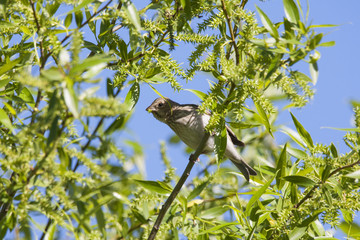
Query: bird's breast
(190, 129)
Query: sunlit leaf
(291, 11)
(5, 120)
(154, 186)
(268, 24)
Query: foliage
(62, 172)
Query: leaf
(9, 66)
(280, 168)
(132, 96)
(70, 99)
(132, 14)
(198, 93)
(301, 76)
(350, 229)
(346, 129)
(154, 186)
(68, 20)
(25, 95)
(243, 125)
(257, 196)
(299, 154)
(54, 131)
(314, 71)
(305, 136)
(220, 143)
(300, 180)
(270, 27)
(197, 190)
(297, 233)
(293, 135)
(263, 117)
(213, 212)
(5, 120)
(90, 62)
(218, 227)
(355, 174)
(291, 11)
(83, 4)
(327, 44)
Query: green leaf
(197, 190)
(155, 186)
(68, 20)
(291, 11)
(198, 93)
(350, 229)
(132, 14)
(221, 142)
(83, 4)
(327, 44)
(257, 196)
(9, 66)
(299, 154)
(5, 120)
(25, 95)
(297, 233)
(54, 131)
(90, 62)
(346, 129)
(333, 150)
(263, 117)
(218, 227)
(300, 180)
(305, 136)
(132, 96)
(70, 99)
(355, 174)
(314, 71)
(243, 125)
(213, 212)
(301, 76)
(270, 27)
(280, 168)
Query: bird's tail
(244, 168)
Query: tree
(62, 172)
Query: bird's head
(161, 108)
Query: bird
(189, 125)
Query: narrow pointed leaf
(270, 27)
(305, 136)
(291, 11)
(300, 180)
(263, 117)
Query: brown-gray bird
(189, 125)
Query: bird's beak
(149, 109)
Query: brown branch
(178, 186)
(237, 57)
(243, 3)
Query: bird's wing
(233, 137)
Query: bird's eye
(160, 104)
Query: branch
(178, 186)
(237, 58)
(243, 4)
(309, 194)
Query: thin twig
(243, 4)
(178, 186)
(309, 194)
(237, 57)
